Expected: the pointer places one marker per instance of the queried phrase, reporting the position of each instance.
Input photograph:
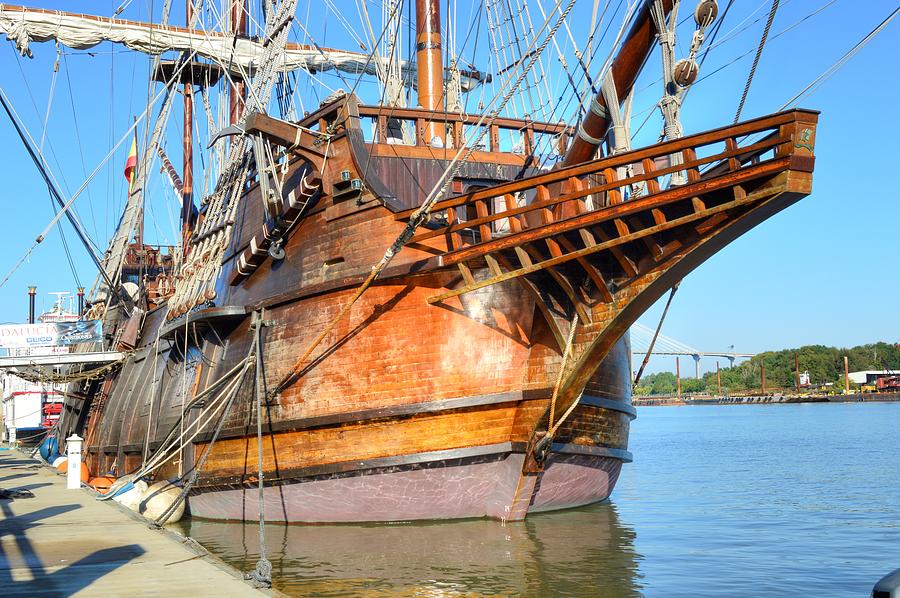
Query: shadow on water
(25, 574)
(579, 552)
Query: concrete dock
(64, 542)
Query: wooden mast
(429, 72)
(237, 95)
(625, 69)
(187, 189)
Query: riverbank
(661, 401)
(64, 542)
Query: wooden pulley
(210, 294)
(706, 12)
(685, 72)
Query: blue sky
(820, 272)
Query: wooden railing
(525, 130)
(562, 221)
(513, 207)
(502, 133)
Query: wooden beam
(565, 285)
(758, 196)
(531, 288)
(592, 272)
(628, 266)
(466, 273)
(649, 242)
(627, 208)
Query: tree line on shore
(824, 364)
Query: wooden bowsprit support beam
(566, 286)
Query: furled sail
(240, 56)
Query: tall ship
(402, 308)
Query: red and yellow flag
(131, 162)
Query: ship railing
(510, 208)
(407, 126)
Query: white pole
(12, 428)
(73, 454)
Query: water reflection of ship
(586, 551)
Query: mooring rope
(261, 576)
(195, 472)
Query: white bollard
(12, 436)
(73, 454)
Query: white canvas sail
(239, 56)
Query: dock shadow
(72, 578)
(15, 524)
(32, 486)
(15, 476)
(62, 582)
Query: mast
(429, 72)
(237, 97)
(187, 188)
(624, 70)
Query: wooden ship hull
(430, 398)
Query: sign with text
(14, 336)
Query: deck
(64, 542)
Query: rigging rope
(203, 260)
(68, 205)
(36, 376)
(662, 318)
(43, 169)
(843, 59)
(759, 49)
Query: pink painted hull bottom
(453, 489)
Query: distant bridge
(641, 336)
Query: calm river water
(748, 500)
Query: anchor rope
(543, 445)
